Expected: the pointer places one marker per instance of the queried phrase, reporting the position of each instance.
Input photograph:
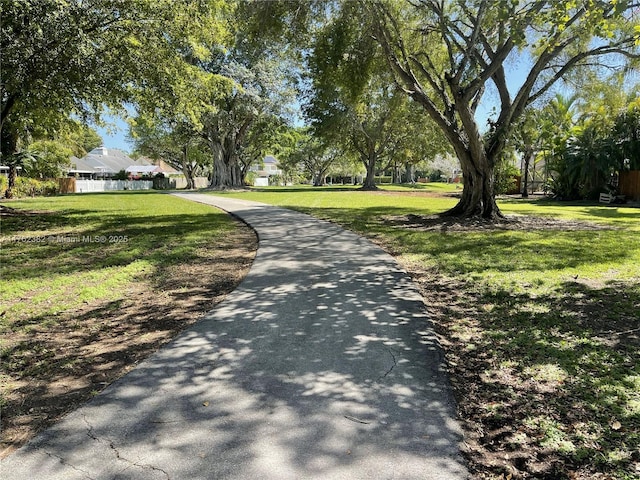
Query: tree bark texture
(478, 194)
(369, 182)
(227, 172)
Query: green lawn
(82, 248)
(541, 327)
(92, 284)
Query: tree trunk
(188, 174)
(478, 193)
(370, 180)
(528, 156)
(319, 178)
(397, 175)
(226, 169)
(187, 169)
(11, 180)
(410, 172)
(8, 148)
(191, 182)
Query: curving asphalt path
(321, 365)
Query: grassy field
(540, 320)
(93, 283)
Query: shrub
(505, 177)
(31, 187)
(383, 179)
(250, 178)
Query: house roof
(78, 165)
(143, 169)
(110, 160)
(164, 166)
(270, 159)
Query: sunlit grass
(520, 259)
(545, 327)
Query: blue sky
(115, 135)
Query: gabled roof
(110, 160)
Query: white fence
(89, 186)
(178, 182)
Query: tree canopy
(76, 58)
(223, 71)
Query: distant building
(104, 162)
(267, 168)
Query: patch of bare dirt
(438, 223)
(12, 212)
(63, 361)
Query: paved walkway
(321, 365)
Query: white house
(266, 169)
(102, 162)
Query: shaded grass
(89, 287)
(89, 247)
(541, 328)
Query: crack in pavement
(64, 462)
(393, 357)
(117, 453)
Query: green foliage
(173, 140)
(505, 173)
(64, 58)
(353, 101)
(584, 154)
(250, 177)
(81, 139)
(277, 180)
(625, 138)
(121, 175)
(50, 159)
(30, 187)
(241, 121)
(310, 156)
